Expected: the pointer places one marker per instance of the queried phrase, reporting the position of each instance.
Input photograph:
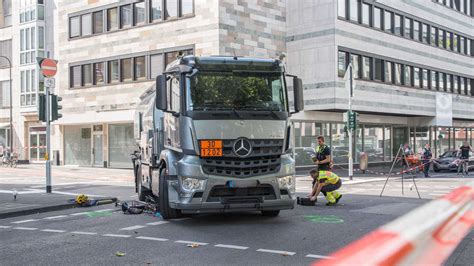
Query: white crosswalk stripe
(24, 221)
(135, 227)
(152, 238)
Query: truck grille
(241, 195)
(264, 159)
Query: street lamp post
(11, 101)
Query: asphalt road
(296, 237)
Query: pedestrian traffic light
(55, 107)
(42, 108)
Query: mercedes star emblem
(242, 147)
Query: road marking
(158, 223)
(74, 194)
(79, 213)
(231, 246)
(53, 231)
(115, 235)
(24, 221)
(318, 257)
(4, 226)
(152, 238)
(190, 242)
(83, 233)
(133, 227)
(55, 217)
(25, 228)
(181, 219)
(286, 253)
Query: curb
(58, 207)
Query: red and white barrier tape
(425, 236)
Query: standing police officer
(323, 156)
(426, 159)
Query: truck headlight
(189, 184)
(287, 182)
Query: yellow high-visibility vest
(328, 177)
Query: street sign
(50, 82)
(48, 67)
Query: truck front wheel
(166, 211)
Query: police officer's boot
(337, 196)
(330, 198)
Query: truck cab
(214, 135)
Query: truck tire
(271, 213)
(166, 211)
(143, 192)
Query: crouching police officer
(326, 182)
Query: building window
(7, 13)
(171, 8)
(126, 16)
(40, 37)
(355, 65)
(76, 76)
(378, 18)
(433, 32)
(462, 44)
(398, 25)
(354, 10)
(187, 7)
(407, 30)
(99, 73)
(416, 77)
(366, 67)
(424, 33)
(140, 68)
(87, 75)
(388, 72)
(75, 27)
(388, 21)
(86, 24)
(341, 8)
(126, 67)
(455, 42)
(113, 71)
(434, 84)
(462, 88)
(156, 64)
(398, 74)
(139, 13)
(408, 76)
(366, 16)
(112, 19)
(416, 30)
(98, 22)
(441, 40)
(425, 78)
(441, 81)
(468, 46)
(4, 94)
(40, 12)
(449, 41)
(455, 84)
(341, 63)
(448, 83)
(156, 10)
(378, 69)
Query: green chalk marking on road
(99, 214)
(324, 219)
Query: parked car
(303, 156)
(445, 162)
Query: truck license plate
(211, 148)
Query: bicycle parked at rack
(463, 166)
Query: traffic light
(352, 120)
(42, 107)
(55, 107)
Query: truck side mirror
(161, 97)
(298, 93)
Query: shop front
(101, 145)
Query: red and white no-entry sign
(48, 67)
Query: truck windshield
(236, 91)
